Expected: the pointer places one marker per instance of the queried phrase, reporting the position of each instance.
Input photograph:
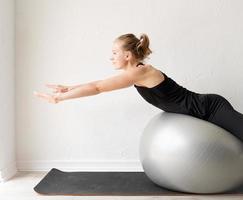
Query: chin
(117, 67)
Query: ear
(128, 55)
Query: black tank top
(172, 97)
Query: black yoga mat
(57, 182)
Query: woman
(154, 86)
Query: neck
(133, 64)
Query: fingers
(43, 95)
(48, 97)
(53, 86)
(57, 88)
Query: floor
(21, 186)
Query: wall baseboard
(8, 172)
(100, 165)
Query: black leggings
(224, 115)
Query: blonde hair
(139, 47)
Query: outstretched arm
(123, 80)
(97, 87)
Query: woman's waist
(190, 103)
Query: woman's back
(165, 93)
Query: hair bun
(138, 46)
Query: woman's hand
(59, 88)
(53, 98)
(48, 97)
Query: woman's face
(119, 57)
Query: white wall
(197, 43)
(7, 132)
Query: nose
(111, 58)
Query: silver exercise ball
(183, 153)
